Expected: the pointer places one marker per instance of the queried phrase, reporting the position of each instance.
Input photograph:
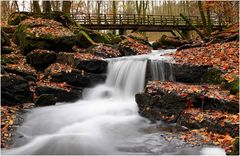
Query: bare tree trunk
(202, 16)
(36, 7)
(46, 6)
(66, 6)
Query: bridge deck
(141, 23)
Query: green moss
(235, 148)
(84, 40)
(213, 76)
(233, 86)
(16, 18)
(140, 40)
(156, 45)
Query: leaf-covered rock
(44, 34)
(214, 121)
(65, 73)
(104, 51)
(62, 91)
(130, 46)
(166, 100)
(41, 59)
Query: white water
(106, 121)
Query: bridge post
(122, 32)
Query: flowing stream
(105, 121)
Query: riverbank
(208, 104)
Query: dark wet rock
(63, 92)
(46, 100)
(104, 51)
(166, 107)
(41, 59)
(21, 70)
(130, 46)
(64, 73)
(93, 66)
(181, 73)
(30, 78)
(44, 34)
(14, 90)
(214, 121)
(166, 100)
(65, 58)
(188, 73)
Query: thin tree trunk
(202, 16)
(46, 6)
(66, 6)
(36, 7)
(209, 26)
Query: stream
(105, 121)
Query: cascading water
(106, 121)
(160, 68)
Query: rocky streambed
(42, 66)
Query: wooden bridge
(149, 23)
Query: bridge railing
(133, 19)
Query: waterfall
(127, 75)
(161, 70)
(105, 121)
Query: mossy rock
(156, 45)
(140, 38)
(83, 40)
(65, 19)
(235, 147)
(16, 17)
(4, 38)
(213, 76)
(39, 34)
(233, 86)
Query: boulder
(64, 73)
(93, 66)
(63, 18)
(130, 46)
(62, 91)
(167, 42)
(14, 90)
(83, 40)
(44, 34)
(140, 38)
(214, 121)
(104, 51)
(46, 100)
(20, 69)
(41, 59)
(166, 100)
